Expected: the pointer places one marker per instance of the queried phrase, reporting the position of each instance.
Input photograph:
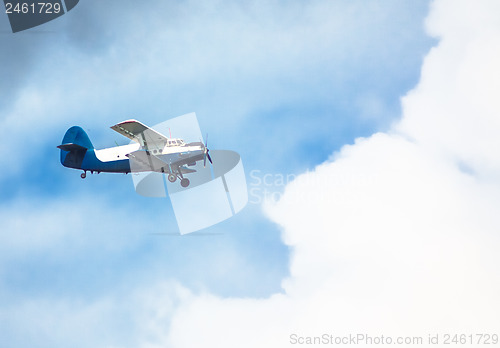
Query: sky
(383, 113)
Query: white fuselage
(118, 153)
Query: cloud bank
(398, 233)
(387, 237)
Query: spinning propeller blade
(205, 153)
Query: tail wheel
(185, 182)
(172, 177)
(83, 175)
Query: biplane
(149, 151)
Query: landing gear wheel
(185, 182)
(83, 175)
(172, 177)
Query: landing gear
(172, 178)
(83, 175)
(176, 173)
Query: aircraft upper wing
(140, 133)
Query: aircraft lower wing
(188, 160)
(185, 170)
(144, 161)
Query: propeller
(205, 153)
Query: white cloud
(455, 107)
(391, 236)
(117, 320)
(57, 256)
(365, 229)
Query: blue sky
(285, 84)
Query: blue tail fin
(74, 147)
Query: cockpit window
(175, 142)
